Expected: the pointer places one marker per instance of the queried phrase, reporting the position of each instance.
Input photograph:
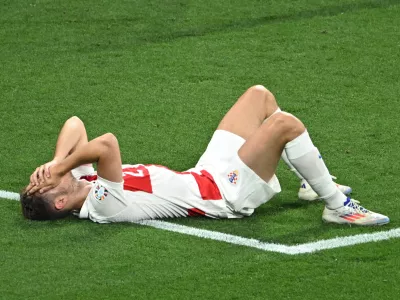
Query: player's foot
(353, 213)
(307, 193)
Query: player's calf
(308, 194)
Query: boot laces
(354, 204)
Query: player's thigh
(249, 112)
(262, 151)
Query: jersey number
(138, 179)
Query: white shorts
(241, 187)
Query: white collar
(84, 212)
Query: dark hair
(40, 207)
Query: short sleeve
(105, 199)
(83, 170)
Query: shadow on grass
(327, 11)
(156, 33)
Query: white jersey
(220, 186)
(152, 192)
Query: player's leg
(249, 112)
(283, 131)
(262, 151)
(305, 191)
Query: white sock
(290, 166)
(305, 158)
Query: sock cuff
(299, 146)
(276, 111)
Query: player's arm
(104, 151)
(71, 137)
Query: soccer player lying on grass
(234, 176)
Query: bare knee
(260, 90)
(261, 93)
(286, 125)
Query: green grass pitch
(160, 75)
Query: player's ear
(60, 202)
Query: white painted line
(9, 195)
(347, 241)
(296, 249)
(218, 236)
(238, 240)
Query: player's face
(64, 187)
(66, 183)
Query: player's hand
(47, 183)
(42, 172)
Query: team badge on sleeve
(100, 192)
(233, 176)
